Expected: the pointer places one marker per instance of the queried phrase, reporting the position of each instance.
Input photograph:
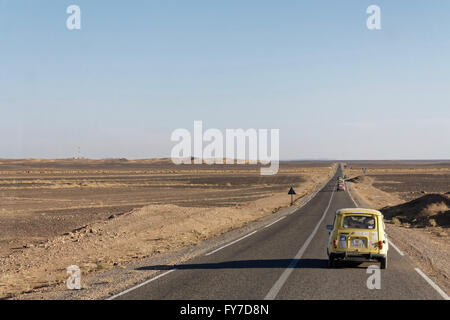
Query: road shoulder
(416, 244)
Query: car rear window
(358, 222)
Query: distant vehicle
(341, 187)
(357, 235)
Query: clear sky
(137, 70)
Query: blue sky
(137, 70)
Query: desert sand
(100, 215)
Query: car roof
(358, 210)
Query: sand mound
(431, 209)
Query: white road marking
(285, 275)
(395, 247)
(434, 285)
(390, 242)
(348, 192)
(312, 196)
(229, 244)
(271, 224)
(140, 285)
(292, 211)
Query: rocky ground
(50, 223)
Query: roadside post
(292, 193)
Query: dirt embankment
(419, 227)
(146, 232)
(430, 210)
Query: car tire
(383, 263)
(331, 262)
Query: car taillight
(380, 244)
(335, 243)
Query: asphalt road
(286, 260)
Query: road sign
(292, 192)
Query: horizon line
(235, 159)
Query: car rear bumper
(361, 257)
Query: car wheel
(331, 262)
(383, 263)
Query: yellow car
(357, 235)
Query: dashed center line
(285, 275)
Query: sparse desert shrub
(101, 266)
(434, 209)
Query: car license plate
(357, 243)
(342, 241)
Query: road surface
(286, 260)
